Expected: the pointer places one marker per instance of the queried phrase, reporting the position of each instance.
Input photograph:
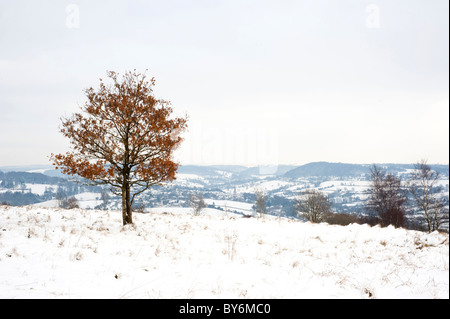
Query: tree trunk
(126, 203)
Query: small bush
(340, 219)
(197, 203)
(70, 203)
(369, 220)
(139, 208)
(347, 219)
(313, 205)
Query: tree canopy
(123, 137)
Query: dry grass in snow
(54, 253)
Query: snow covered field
(55, 253)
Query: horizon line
(247, 166)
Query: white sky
(263, 82)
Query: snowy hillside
(54, 253)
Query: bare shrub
(369, 220)
(197, 203)
(387, 198)
(340, 219)
(260, 206)
(70, 203)
(312, 205)
(424, 187)
(138, 207)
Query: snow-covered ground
(55, 253)
(230, 206)
(86, 200)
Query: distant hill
(26, 168)
(235, 170)
(277, 170)
(328, 169)
(314, 169)
(26, 177)
(202, 171)
(48, 170)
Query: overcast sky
(262, 81)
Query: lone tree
(387, 198)
(312, 205)
(105, 199)
(124, 137)
(197, 203)
(260, 206)
(424, 187)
